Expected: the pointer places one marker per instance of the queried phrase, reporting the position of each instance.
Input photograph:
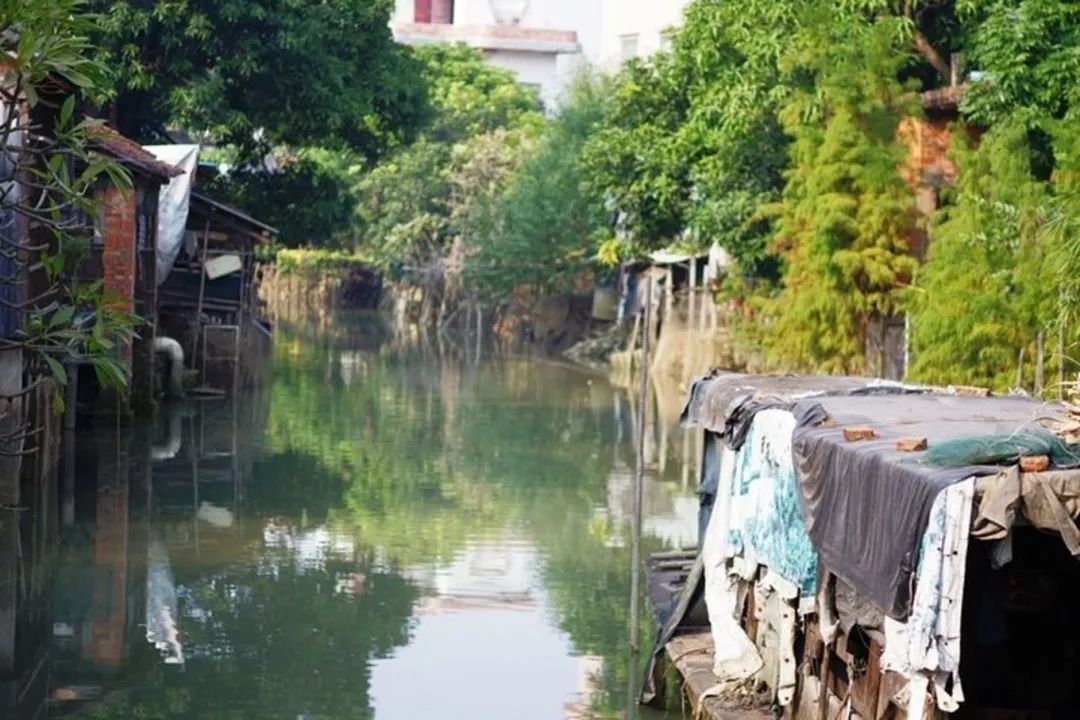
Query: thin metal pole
(639, 479)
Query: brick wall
(118, 230)
(928, 160)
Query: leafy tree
(1003, 259)
(1025, 53)
(846, 212)
(309, 196)
(633, 162)
(254, 73)
(407, 202)
(542, 230)
(983, 293)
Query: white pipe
(174, 388)
(173, 443)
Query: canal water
(376, 534)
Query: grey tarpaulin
(725, 403)
(865, 504)
(714, 400)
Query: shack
(209, 302)
(877, 550)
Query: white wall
(647, 19)
(581, 16)
(600, 26)
(533, 69)
(403, 12)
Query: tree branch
(923, 46)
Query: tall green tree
(846, 213)
(1003, 259)
(254, 73)
(987, 287)
(543, 228)
(408, 203)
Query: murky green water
(376, 535)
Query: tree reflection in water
(311, 529)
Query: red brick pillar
(118, 230)
(442, 12)
(119, 258)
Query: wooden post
(1020, 370)
(202, 294)
(1061, 360)
(1040, 341)
(691, 301)
(479, 330)
(669, 299)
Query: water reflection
(377, 535)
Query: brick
(1034, 463)
(854, 433)
(911, 444)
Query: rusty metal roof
(106, 140)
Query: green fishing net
(1002, 449)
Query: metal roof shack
(210, 300)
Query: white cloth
(174, 199)
(736, 657)
(926, 649)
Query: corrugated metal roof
(234, 212)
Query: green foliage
(309, 197)
(541, 230)
(844, 218)
(1027, 53)
(416, 200)
(330, 262)
(984, 292)
(49, 67)
(1004, 260)
(691, 146)
(259, 72)
(468, 96)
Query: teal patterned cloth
(766, 522)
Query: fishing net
(1002, 449)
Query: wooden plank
(889, 686)
(692, 655)
(865, 688)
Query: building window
(422, 11)
(628, 46)
(667, 40)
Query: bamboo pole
(639, 483)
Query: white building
(543, 41)
(637, 28)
